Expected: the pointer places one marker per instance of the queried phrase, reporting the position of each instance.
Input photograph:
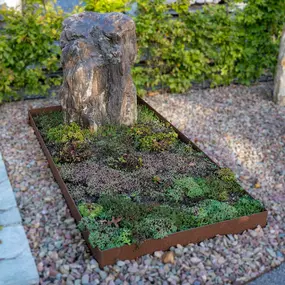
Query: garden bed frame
(195, 235)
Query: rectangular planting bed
(136, 190)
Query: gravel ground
(237, 126)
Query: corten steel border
(110, 256)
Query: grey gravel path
(238, 126)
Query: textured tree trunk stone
(98, 51)
(279, 83)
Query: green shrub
(211, 44)
(27, 50)
(106, 6)
(182, 218)
(120, 206)
(29, 55)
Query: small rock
(69, 221)
(120, 263)
(85, 279)
(64, 269)
(158, 254)
(40, 267)
(179, 251)
(221, 260)
(195, 260)
(103, 274)
(168, 257)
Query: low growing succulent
(90, 210)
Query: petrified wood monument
(98, 51)
(279, 83)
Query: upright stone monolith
(98, 51)
(279, 82)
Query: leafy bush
(211, 44)
(47, 121)
(27, 50)
(71, 141)
(106, 6)
(29, 54)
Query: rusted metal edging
(110, 256)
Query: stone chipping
(237, 126)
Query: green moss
(121, 206)
(155, 227)
(212, 211)
(174, 194)
(105, 236)
(247, 206)
(183, 218)
(90, 210)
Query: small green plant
(212, 211)
(121, 206)
(90, 210)
(127, 161)
(67, 133)
(71, 141)
(226, 175)
(184, 187)
(246, 206)
(47, 121)
(103, 235)
(156, 227)
(154, 138)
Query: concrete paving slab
(10, 217)
(274, 277)
(20, 270)
(7, 197)
(13, 242)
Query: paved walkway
(17, 266)
(274, 277)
